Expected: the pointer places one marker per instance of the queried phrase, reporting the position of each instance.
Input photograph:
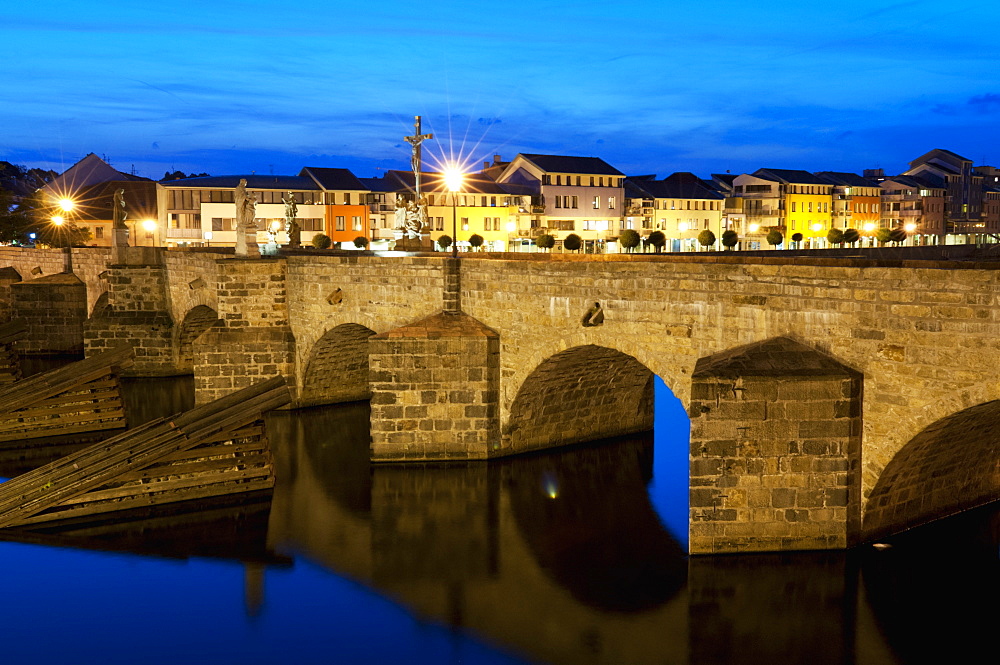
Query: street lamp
(67, 205)
(58, 220)
(453, 180)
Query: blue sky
(652, 87)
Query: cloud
(489, 121)
(988, 103)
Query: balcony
(910, 213)
(537, 210)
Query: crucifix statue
(416, 164)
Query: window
(340, 223)
(597, 202)
(559, 202)
(578, 181)
(465, 223)
(493, 201)
(591, 181)
(347, 198)
(98, 231)
(576, 202)
(356, 223)
(311, 224)
(611, 203)
(558, 179)
(483, 201)
(793, 210)
(225, 223)
(600, 182)
(439, 223)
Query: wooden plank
(48, 384)
(140, 489)
(59, 483)
(196, 493)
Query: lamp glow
(682, 226)
(66, 204)
(910, 227)
(817, 227)
(754, 228)
(149, 225)
(453, 177)
(511, 227)
(869, 226)
(58, 220)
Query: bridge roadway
(819, 389)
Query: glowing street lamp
(453, 177)
(58, 220)
(869, 227)
(753, 228)
(67, 205)
(817, 227)
(910, 227)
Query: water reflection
(558, 557)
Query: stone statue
(414, 219)
(400, 216)
(246, 226)
(292, 227)
(119, 230)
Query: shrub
(775, 238)
(573, 242)
(629, 239)
(706, 238)
(444, 242)
(730, 238)
(883, 236)
(475, 241)
(545, 241)
(851, 236)
(361, 242)
(835, 236)
(321, 241)
(897, 236)
(657, 240)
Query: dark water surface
(574, 556)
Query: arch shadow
(198, 320)
(337, 369)
(953, 465)
(584, 393)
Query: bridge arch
(951, 466)
(583, 393)
(337, 369)
(198, 320)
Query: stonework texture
(135, 310)
(775, 451)
(251, 340)
(54, 308)
(337, 370)
(434, 390)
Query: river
(572, 556)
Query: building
(581, 195)
(202, 211)
(856, 201)
(915, 205)
(963, 185)
(345, 201)
(682, 205)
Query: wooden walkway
(84, 396)
(216, 449)
(10, 362)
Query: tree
(797, 239)
(545, 241)
(706, 238)
(851, 236)
(835, 236)
(13, 222)
(66, 234)
(657, 240)
(629, 239)
(475, 241)
(897, 236)
(444, 242)
(775, 238)
(883, 236)
(361, 242)
(321, 241)
(573, 242)
(730, 238)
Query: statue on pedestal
(119, 231)
(246, 226)
(292, 227)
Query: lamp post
(453, 180)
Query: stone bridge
(818, 389)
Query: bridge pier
(54, 308)
(775, 451)
(435, 390)
(252, 340)
(136, 310)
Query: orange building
(345, 203)
(856, 201)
